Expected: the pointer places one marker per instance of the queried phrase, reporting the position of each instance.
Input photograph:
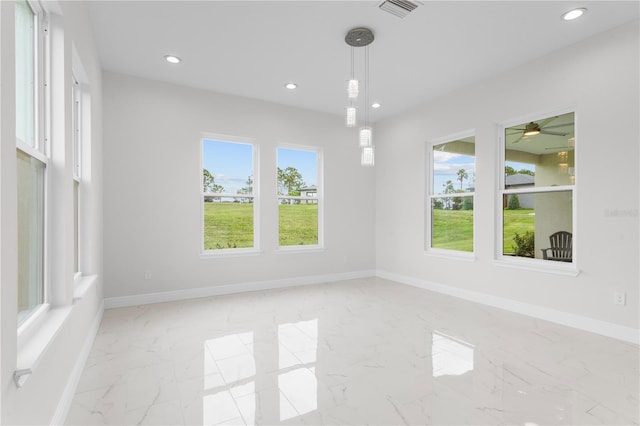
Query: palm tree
(462, 175)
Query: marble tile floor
(366, 351)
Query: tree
(209, 185)
(289, 179)
(207, 181)
(508, 170)
(514, 202)
(462, 175)
(247, 190)
(527, 172)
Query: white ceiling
(252, 48)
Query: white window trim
(540, 265)
(319, 200)
(249, 251)
(40, 151)
(429, 181)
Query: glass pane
(452, 223)
(25, 73)
(529, 220)
(228, 223)
(454, 166)
(540, 153)
(76, 213)
(298, 222)
(298, 176)
(227, 169)
(30, 234)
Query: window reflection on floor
(451, 357)
(230, 369)
(297, 349)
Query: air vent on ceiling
(399, 8)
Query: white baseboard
(193, 293)
(64, 404)
(620, 332)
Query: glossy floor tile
(366, 351)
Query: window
(228, 195)
(76, 118)
(299, 197)
(31, 163)
(452, 194)
(537, 185)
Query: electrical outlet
(620, 298)
(147, 275)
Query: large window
(31, 163)
(299, 197)
(537, 188)
(452, 194)
(228, 195)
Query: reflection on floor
(364, 351)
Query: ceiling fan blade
(558, 125)
(566, 148)
(545, 132)
(519, 139)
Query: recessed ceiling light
(291, 86)
(574, 14)
(172, 59)
(376, 105)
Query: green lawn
(230, 225)
(453, 229)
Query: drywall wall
(598, 78)
(152, 203)
(43, 397)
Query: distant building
(520, 180)
(309, 191)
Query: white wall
(152, 134)
(600, 78)
(43, 397)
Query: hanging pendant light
(367, 157)
(351, 117)
(365, 137)
(360, 37)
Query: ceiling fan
(533, 128)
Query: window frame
(255, 160)
(318, 199)
(563, 268)
(430, 196)
(77, 116)
(40, 151)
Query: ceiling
(252, 48)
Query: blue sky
(446, 166)
(231, 163)
(305, 161)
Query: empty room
(390, 212)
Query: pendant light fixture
(360, 37)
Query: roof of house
(519, 179)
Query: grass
(453, 229)
(230, 225)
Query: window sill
(539, 265)
(214, 254)
(33, 346)
(300, 249)
(451, 254)
(35, 337)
